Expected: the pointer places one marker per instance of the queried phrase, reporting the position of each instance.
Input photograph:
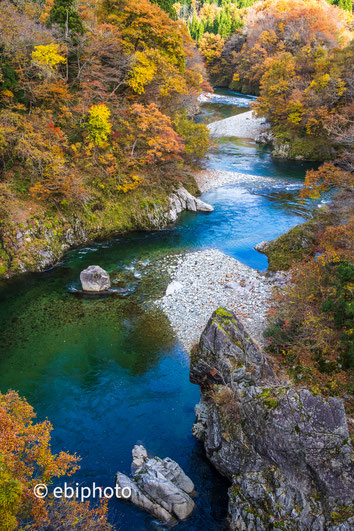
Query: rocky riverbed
(244, 125)
(209, 179)
(204, 280)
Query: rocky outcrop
(282, 150)
(41, 243)
(265, 137)
(158, 486)
(286, 451)
(262, 247)
(95, 279)
(182, 200)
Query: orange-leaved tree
(26, 459)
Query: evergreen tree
(216, 24)
(166, 5)
(235, 24)
(194, 27)
(65, 15)
(345, 4)
(210, 26)
(201, 29)
(225, 23)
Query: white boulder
(159, 486)
(95, 279)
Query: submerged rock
(182, 200)
(95, 279)
(158, 486)
(286, 451)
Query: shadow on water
(109, 372)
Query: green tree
(210, 26)
(216, 24)
(201, 29)
(166, 5)
(345, 4)
(194, 27)
(65, 15)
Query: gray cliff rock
(182, 200)
(158, 486)
(265, 137)
(286, 451)
(95, 279)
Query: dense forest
(97, 101)
(94, 105)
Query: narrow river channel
(109, 372)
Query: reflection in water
(108, 372)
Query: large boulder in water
(159, 486)
(95, 279)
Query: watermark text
(83, 493)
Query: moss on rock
(297, 244)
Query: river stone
(231, 285)
(173, 286)
(95, 279)
(158, 486)
(142, 501)
(153, 480)
(175, 474)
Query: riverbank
(205, 280)
(244, 125)
(36, 239)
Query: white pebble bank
(210, 279)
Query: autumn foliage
(26, 459)
(86, 104)
(297, 56)
(311, 323)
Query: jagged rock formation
(159, 486)
(95, 279)
(182, 200)
(286, 451)
(265, 137)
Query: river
(109, 372)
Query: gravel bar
(209, 179)
(205, 280)
(244, 125)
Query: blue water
(109, 373)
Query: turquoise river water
(109, 372)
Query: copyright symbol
(40, 490)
